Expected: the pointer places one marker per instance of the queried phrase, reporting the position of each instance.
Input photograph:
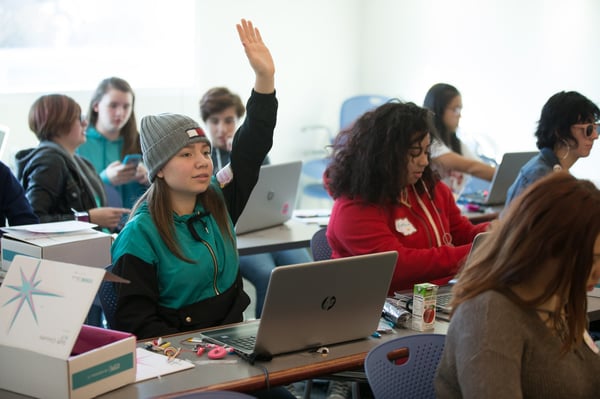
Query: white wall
(506, 57)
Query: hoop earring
(568, 149)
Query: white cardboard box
(43, 305)
(71, 242)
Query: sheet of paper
(68, 226)
(313, 216)
(153, 365)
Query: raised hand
(259, 56)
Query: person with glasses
(566, 131)
(451, 158)
(388, 198)
(59, 184)
(178, 248)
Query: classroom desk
(486, 214)
(283, 369)
(297, 234)
(241, 376)
(290, 235)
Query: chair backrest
(354, 107)
(108, 300)
(113, 197)
(319, 246)
(214, 395)
(392, 372)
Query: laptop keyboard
(443, 302)
(475, 197)
(246, 343)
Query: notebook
(314, 304)
(273, 198)
(505, 175)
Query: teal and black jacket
(168, 295)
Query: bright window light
(61, 45)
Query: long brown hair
(161, 211)
(557, 219)
(129, 132)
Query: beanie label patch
(195, 132)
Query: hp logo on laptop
(328, 303)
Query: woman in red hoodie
(387, 197)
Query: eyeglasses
(588, 128)
(456, 110)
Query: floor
(320, 387)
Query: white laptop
(314, 304)
(3, 138)
(505, 175)
(273, 198)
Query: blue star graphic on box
(25, 292)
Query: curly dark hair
(369, 159)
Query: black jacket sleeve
(137, 302)
(251, 144)
(13, 203)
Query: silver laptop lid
(313, 304)
(273, 198)
(505, 175)
(325, 302)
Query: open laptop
(314, 304)
(273, 198)
(505, 175)
(444, 294)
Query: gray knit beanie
(163, 135)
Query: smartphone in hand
(132, 159)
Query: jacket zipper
(216, 269)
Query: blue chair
(319, 246)
(405, 367)
(108, 300)
(354, 107)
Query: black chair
(108, 300)
(319, 246)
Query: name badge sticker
(405, 227)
